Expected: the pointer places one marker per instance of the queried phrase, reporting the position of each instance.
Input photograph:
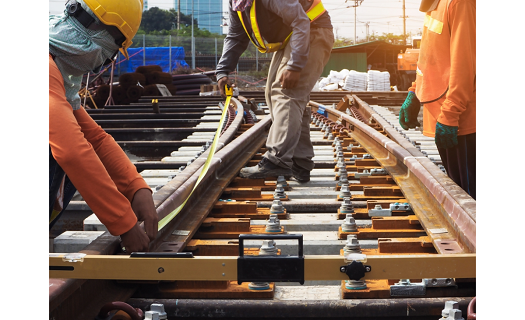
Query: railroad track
(367, 194)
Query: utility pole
(178, 14)
(355, 17)
(192, 39)
(404, 24)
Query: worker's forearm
(123, 173)
(235, 44)
(78, 159)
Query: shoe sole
(301, 180)
(262, 175)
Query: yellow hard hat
(123, 14)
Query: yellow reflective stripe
(316, 11)
(239, 13)
(433, 25)
(418, 71)
(313, 13)
(213, 147)
(255, 28)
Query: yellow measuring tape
(213, 147)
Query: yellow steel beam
(316, 267)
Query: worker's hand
(289, 79)
(223, 82)
(446, 136)
(135, 240)
(409, 112)
(144, 208)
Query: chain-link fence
(203, 55)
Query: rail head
(438, 205)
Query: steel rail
(422, 183)
(392, 309)
(412, 174)
(76, 299)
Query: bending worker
(82, 155)
(299, 32)
(446, 87)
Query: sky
(384, 16)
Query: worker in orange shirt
(82, 156)
(446, 87)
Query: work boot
(300, 174)
(265, 168)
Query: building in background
(208, 13)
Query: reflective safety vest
(433, 69)
(315, 11)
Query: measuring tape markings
(213, 147)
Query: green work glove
(446, 136)
(409, 112)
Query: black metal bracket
(355, 270)
(282, 268)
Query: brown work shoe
(300, 174)
(265, 168)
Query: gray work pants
(289, 141)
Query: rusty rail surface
(441, 203)
(73, 299)
(437, 202)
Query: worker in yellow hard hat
(446, 87)
(82, 156)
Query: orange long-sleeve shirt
(446, 75)
(93, 161)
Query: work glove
(446, 136)
(409, 112)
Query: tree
(156, 19)
(390, 38)
(343, 42)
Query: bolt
(330, 136)
(161, 270)
(327, 132)
(268, 248)
(343, 178)
(273, 224)
(349, 224)
(367, 156)
(277, 206)
(355, 284)
(350, 146)
(449, 305)
(340, 163)
(346, 206)
(352, 245)
(345, 191)
(158, 308)
(279, 192)
(455, 314)
(281, 180)
(342, 171)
